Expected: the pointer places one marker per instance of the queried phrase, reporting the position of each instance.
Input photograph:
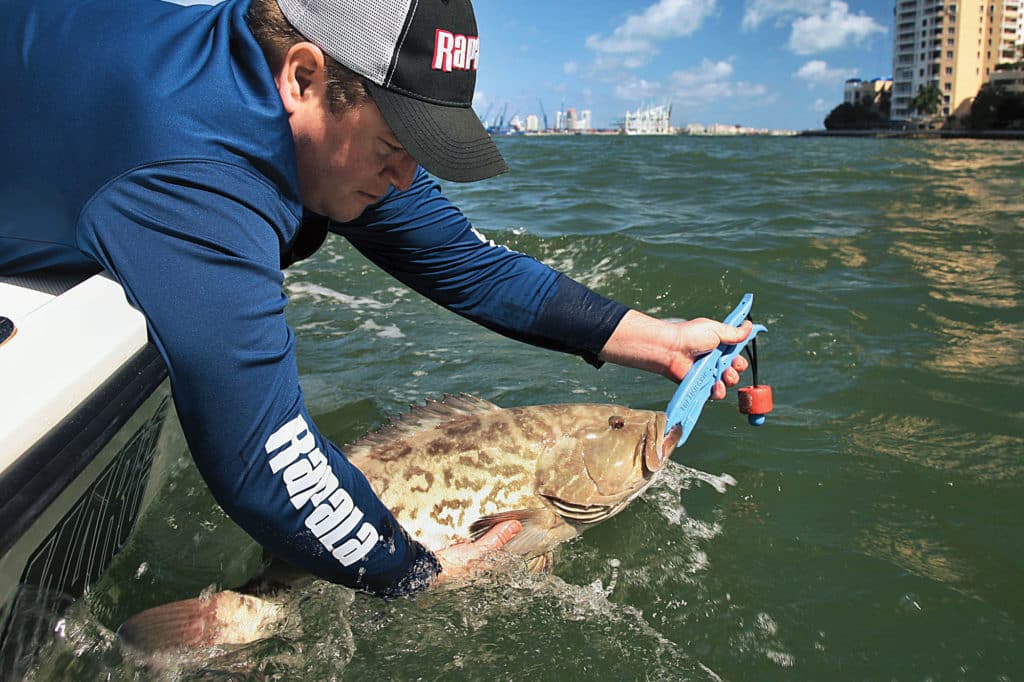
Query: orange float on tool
(756, 402)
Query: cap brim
(450, 142)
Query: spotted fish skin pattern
(444, 466)
(450, 470)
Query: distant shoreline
(920, 134)
(870, 133)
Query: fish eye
(616, 422)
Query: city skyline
(763, 63)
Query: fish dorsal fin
(421, 418)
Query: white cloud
(817, 72)
(707, 72)
(570, 68)
(832, 30)
(711, 81)
(820, 105)
(816, 25)
(638, 90)
(758, 11)
(637, 37)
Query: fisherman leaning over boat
(193, 152)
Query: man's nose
(401, 170)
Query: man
(192, 152)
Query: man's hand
(469, 559)
(671, 348)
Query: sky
(777, 64)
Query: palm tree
(927, 100)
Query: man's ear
(302, 77)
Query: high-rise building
(954, 46)
(572, 120)
(1020, 33)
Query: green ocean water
(872, 530)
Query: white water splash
(390, 331)
(763, 638)
(665, 494)
(299, 290)
(599, 276)
(592, 604)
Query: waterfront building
(655, 120)
(569, 122)
(1009, 80)
(1020, 34)
(720, 129)
(532, 123)
(870, 94)
(952, 45)
(516, 125)
(572, 120)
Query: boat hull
(72, 488)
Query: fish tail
(222, 618)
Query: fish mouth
(668, 444)
(657, 449)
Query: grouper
(449, 471)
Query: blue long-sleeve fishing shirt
(149, 140)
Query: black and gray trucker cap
(420, 58)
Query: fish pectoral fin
(542, 530)
(541, 564)
(532, 520)
(479, 528)
(222, 618)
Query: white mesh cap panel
(361, 35)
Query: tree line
(994, 108)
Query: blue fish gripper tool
(695, 389)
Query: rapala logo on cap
(455, 52)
